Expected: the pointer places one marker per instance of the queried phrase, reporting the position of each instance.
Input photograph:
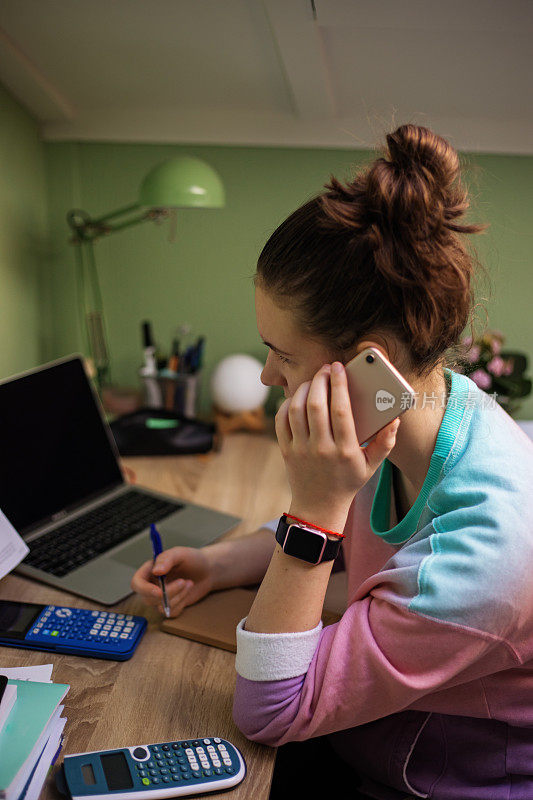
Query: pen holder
(178, 393)
(181, 393)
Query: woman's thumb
(389, 437)
(162, 565)
(394, 429)
(381, 446)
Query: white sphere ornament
(236, 384)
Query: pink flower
(467, 341)
(509, 367)
(473, 353)
(481, 379)
(496, 365)
(496, 347)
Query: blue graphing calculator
(62, 629)
(151, 771)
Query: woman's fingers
(142, 581)
(283, 429)
(177, 600)
(298, 414)
(291, 419)
(146, 580)
(176, 587)
(318, 417)
(342, 420)
(169, 559)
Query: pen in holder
(175, 385)
(181, 392)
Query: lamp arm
(85, 228)
(126, 224)
(118, 213)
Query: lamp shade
(186, 182)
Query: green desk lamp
(182, 182)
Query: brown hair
(382, 253)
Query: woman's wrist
(332, 519)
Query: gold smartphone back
(378, 392)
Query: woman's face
(292, 357)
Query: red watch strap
(312, 525)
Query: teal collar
(449, 428)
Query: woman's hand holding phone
(325, 464)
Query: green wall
(23, 238)
(203, 278)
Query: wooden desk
(172, 688)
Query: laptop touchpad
(136, 553)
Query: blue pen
(201, 344)
(197, 354)
(157, 547)
(187, 359)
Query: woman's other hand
(188, 577)
(325, 464)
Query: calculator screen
(17, 618)
(116, 771)
(88, 774)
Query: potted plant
(497, 372)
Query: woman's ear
(371, 343)
(390, 347)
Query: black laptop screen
(55, 451)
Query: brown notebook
(213, 619)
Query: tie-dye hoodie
(426, 682)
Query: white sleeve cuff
(274, 656)
(272, 524)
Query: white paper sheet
(12, 548)
(42, 673)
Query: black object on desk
(158, 432)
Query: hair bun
(413, 147)
(412, 191)
(415, 188)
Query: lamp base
(244, 420)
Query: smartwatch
(306, 543)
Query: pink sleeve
(377, 660)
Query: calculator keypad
(78, 627)
(187, 761)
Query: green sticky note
(26, 731)
(161, 424)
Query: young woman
(424, 687)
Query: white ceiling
(329, 73)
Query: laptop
(63, 490)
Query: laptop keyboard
(69, 547)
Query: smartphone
(378, 393)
